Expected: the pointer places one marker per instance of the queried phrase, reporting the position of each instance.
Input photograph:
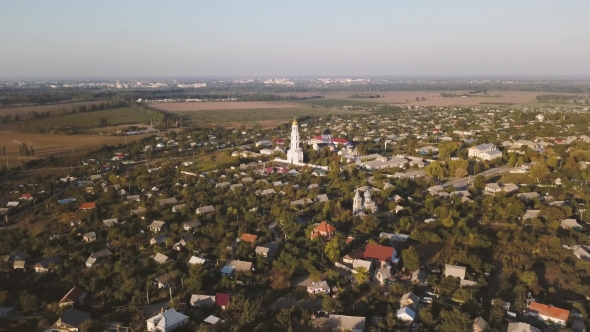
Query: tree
(435, 169)
(479, 182)
(411, 259)
(453, 321)
(102, 122)
(333, 247)
(332, 305)
(529, 278)
(368, 224)
(540, 171)
(361, 275)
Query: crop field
(225, 105)
(433, 98)
(267, 117)
(23, 111)
(329, 102)
(115, 116)
(57, 145)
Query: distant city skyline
(214, 39)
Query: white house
(318, 287)
(548, 313)
(166, 321)
(484, 152)
(405, 314)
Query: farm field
(227, 105)
(433, 98)
(267, 117)
(115, 116)
(57, 145)
(24, 110)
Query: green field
(337, 102)
(115, 116)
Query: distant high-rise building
(295, 154)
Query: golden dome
(294, 122)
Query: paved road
(464, 182)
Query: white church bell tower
(295, 154)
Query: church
(359, 204)
(295, 154)
(327, 141)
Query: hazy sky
(282, 38)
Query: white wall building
(295, 154)
(484, 152)
(166, 321)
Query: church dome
(327, 132)
(367, 193)
(357, 195)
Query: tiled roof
(324, 227)
(549, 311)
(382, 253)
(248, 237)
(221, 299)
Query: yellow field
(57, 145)
(24, 110)
(221, 105)
(433, 98)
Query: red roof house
(324, 230)
(548, 313)
(222, 300)
(280, 141)
(248, 238)
(380, 253)
(283, 169)
(87, 206)
(28, 197)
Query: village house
(157, 226)
(202, 300)
(191, 224)
(70, 321)
(382, 254)
(97, 256)
(44, 265)
(183, 242)
(75, 295)
(409, 300)
(166, 280)
(323, 230)
(340, 323)
(548, 313)
(480, 325)
(247, 238)
(521, 327)
(205, 209)
(167, 201)
(484, 152)
(158, 239)
(384, 276)
(406, 315)
(455, 271)
(89, 237)
(222, 300)
(267, 250)
(318, 287)
(166, 321)
(87, 206)
(196, 260)
(161, 258)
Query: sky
(124, 38)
